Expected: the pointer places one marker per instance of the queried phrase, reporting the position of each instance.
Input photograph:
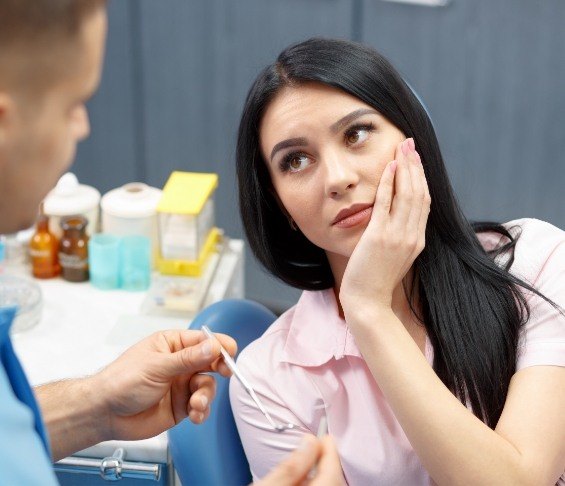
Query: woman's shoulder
(307, 335)
(264, 362)
(538, 243)
(536, 234)
(271, 343)
(539, 259)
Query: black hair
(472, 308)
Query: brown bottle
(73, 249)
(43, 250)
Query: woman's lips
(354, 219)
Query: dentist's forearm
(74, 415)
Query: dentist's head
(50, 65)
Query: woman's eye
(357, 135)
(295, 163)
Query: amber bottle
(73, 249)
(43, 250)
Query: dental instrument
(230, 363)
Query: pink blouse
(307, 365)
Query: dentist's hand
(394, 237)
(157, 383)
(295, 470)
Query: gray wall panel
(110, 156)
(199, 59)
(490, 71)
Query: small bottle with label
(73, 249)
(43, 250)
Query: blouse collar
(317, 333)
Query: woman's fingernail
(405, 147)
(412, 144)
(204, 401)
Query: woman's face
(325, 151)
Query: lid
(69, 197)
(134, 200)
(187, 192)
(73, 223)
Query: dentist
(51, 54)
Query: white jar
(132, 210)
(69, 198)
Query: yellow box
(187, 192)
(186, 216)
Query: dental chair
(211, 453)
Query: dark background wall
(491, 73)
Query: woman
(434, 348)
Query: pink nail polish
(405, 148)
(412, 144)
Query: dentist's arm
(151, 387)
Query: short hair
(35, 37)
(30, 22)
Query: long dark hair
(471, 307)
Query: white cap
(69, 197)
(134, 200)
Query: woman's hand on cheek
(394, 237)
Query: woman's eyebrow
(338, 125)
(290, 142)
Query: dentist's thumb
(295, 468)
(192, 359)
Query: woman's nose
(340, 176)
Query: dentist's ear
(7, 108)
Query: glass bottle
(43, 250)
(73, 249)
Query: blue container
(135, 263)
(104, 261)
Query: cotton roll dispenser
(131, 210)
(186, 218)
(70, 198)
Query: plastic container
(26, 296)
(2, 253)
(131, 210)
(135, 263)
(71, 198)
(104, 261)
(187, 235)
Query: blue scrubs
(25, 457)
